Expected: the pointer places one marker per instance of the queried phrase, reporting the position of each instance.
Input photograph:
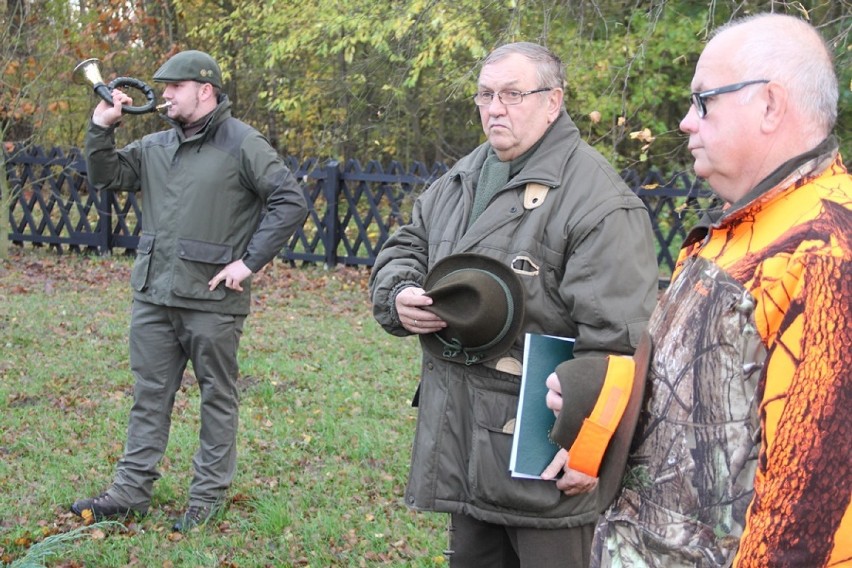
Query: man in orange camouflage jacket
(742, 453)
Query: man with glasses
(544, 204)
(742, 456)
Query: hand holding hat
(596, 391)
(482, 302)
(597, 443)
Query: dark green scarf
(493, 176)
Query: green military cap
(190, 65)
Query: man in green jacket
(218, 203)
(545, 205)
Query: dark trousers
(162, 341)
(477, 544)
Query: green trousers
(477, 544)
(162, 341)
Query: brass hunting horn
(88, 72)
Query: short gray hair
(549, 68)
(790, 51)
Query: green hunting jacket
(220, 195)
(585, 255)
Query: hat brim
(615, 460)
(453, 263)
(581, 380)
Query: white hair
(789, 51)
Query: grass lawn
(325, 426)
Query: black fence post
(331, 192)
(105, 222)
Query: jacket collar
(799, 167)
(219, 114)
(807, 165)
(543, 166)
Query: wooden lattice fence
(353, 208)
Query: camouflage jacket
(742, 451)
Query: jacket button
(513, 210)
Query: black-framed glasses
(485, 98)
(700, 99)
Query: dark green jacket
(585, 256)
(218, 196)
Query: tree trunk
(5, 203)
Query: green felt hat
(601, 405)
(482, 301)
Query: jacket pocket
(197, 262)
(491, 446)
(139, 275)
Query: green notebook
(532, 449)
